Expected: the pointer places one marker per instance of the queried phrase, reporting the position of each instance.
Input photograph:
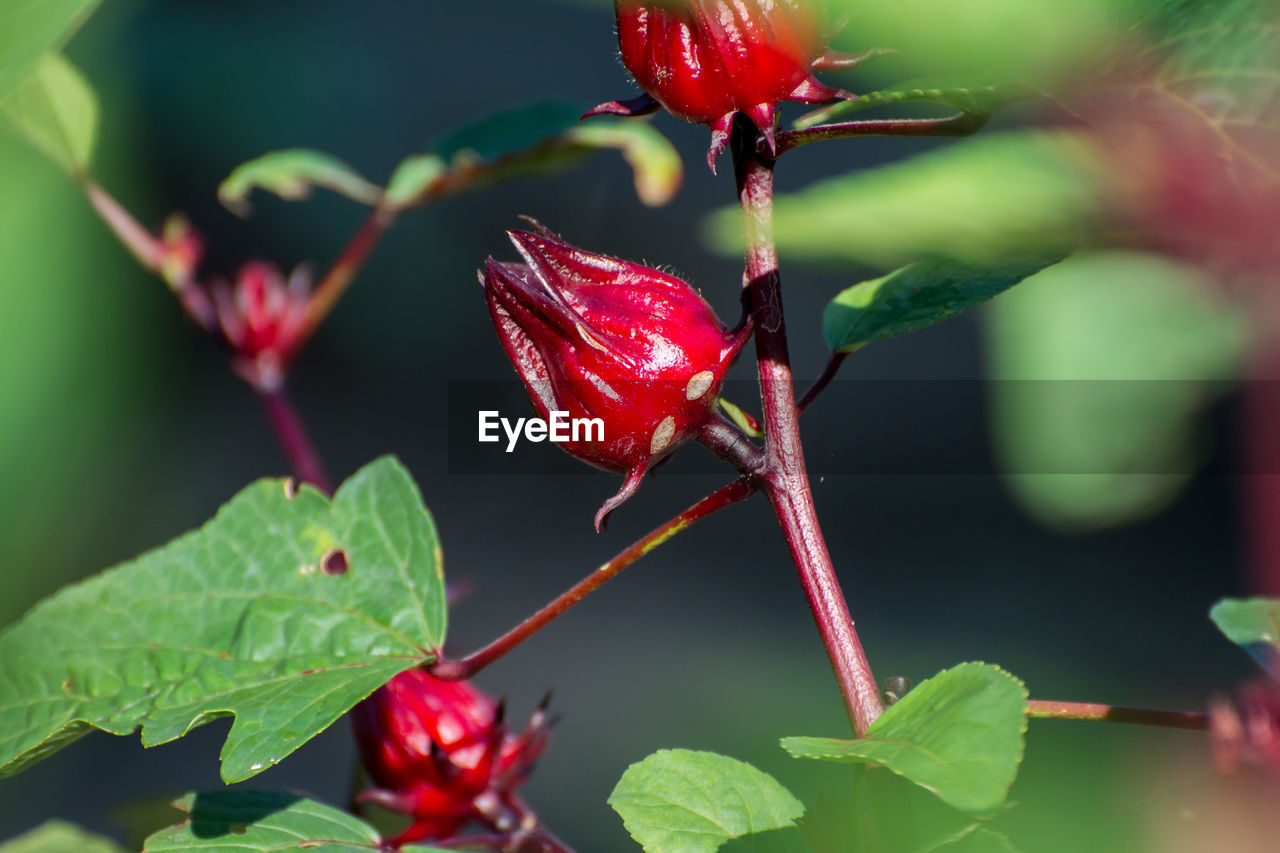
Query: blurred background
(121, 427)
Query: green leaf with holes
(262, 821)
(284, 611)
(919, 295)
(56, 111)
(959, 734)
(680, 801)
(31, 28)
(293, 174)
(57, 836)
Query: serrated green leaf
(680, 801)
(918, 295)
(1103, 362)
(974, 99)
(57, 836)
(31, 28)
(238, 821)
(55, 110)
(978, 201)
(292, 174)
(958, 734)
(1254, 625)
(240, 617)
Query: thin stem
(728, 442)
(140, 242)
(962, 124)
(454, 670)
(288, 428)
(828, 373)
(786, 480)
(339, 277)
(1043, 709)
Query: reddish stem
(1044, 709)
(288, 427)
(455, 670)
(958, 125)
(828, 373)
(339, 277)
(1260, 441)
(786, 481)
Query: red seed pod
(439, 752)
(637, 350)
(707, 60)
(264, 319)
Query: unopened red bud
(438, 752)
(183, 251)
(600, 338)
(707, 60)
(264, 319)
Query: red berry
(438, 751)
(600, 338)
(707, 60)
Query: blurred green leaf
(916, 296)
(244, 617)
(55, 110)
(958, 734)
(533, 138)
(263, 821)
(57, 836)
(1105, 360)
(693, 802)
(977, 201)
(292, 174)
(974, 99)
(1254, 625)
(31, 28)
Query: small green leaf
(31, 28)
(56, 836)
(918, 295)
(239, 821)
(412, 178)
(252, 615)
(1103, 362)
(658, 169)
(1254, 625)
(56, 110)
(292, 174)
(958, 734)
(679, 801)
(978, 200)
(974, 99)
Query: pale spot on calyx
(698, 385)
(662, 435)
(590, 340)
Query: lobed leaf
(1254, 625)
(918, 295)
(56, 111)
(57, 836)
(253, 615)
(292, 174)
(31, 28)
(680, 801)
(238, 821)
(958, 734)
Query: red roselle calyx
(600, 338)
(439, 752)
(707, 60)
(264, 319)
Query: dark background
(124, 428)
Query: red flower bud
(264, 319)
(1247, 731)
(597, 337)
(439, 752)
(707, 60)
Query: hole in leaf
(334, 562)
(237, 829)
